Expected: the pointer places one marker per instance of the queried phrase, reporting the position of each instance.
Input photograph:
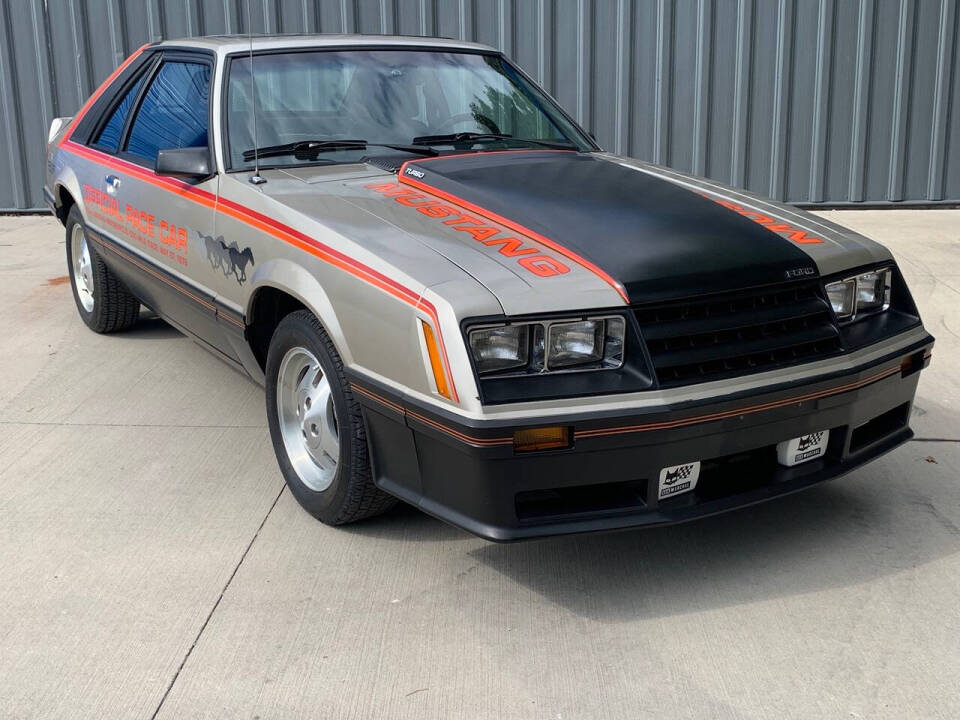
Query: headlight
(873, 291)
(864, 294)
(500, 348)
(549, 346)
(843, 297)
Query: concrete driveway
(152, 564)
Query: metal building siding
(831, 101)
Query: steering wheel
(474, 117)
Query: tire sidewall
(89, 318)
(297, 330)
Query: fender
(66, 179)
(296, 281)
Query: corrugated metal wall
(831, 101)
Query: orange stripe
(147, 269)
(463, 437)
(282, 232)
(665, 425)
(669, 424)
(99, 91)
(500, 220)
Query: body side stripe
(280, 231)
(113, 246)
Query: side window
(173, 113)
(109, 137)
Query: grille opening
(552, 503)
(737, 473)
(878, 428)
(736, 333)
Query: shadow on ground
(835, 535)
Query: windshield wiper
(473, 137)
(309, 149)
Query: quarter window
(109, 137)
(173, 113)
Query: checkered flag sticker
(682, 472)
(809, 441)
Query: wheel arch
(67, 193)
(280, 287)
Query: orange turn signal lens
(435, 364)
(548, 438)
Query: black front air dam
(469, 477)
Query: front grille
(736, 333)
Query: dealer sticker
(803, 449)
(678, 479)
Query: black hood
(658, 239)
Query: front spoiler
(470, 476)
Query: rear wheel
(104, 303)
(316, 426)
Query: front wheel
(316, 426)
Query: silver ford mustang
(454, 297)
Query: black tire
(351, 496)
(114, 307)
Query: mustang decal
(529, 257)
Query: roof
(224, 44)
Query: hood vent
(386, 162)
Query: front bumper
(468, 473)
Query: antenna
(256, 178)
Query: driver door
(166, 219)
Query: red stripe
(281, 232)
(99, 91)
(515, 226)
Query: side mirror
(193, 162)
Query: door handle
(113, 184)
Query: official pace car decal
(164, 238)
(528, 256)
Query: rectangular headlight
(863, 294)
(502, 348)
(843, 297)
(547, 346)
(585, 342)
(873, 291)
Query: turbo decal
(529, 257)
(781, 228)
(164, 238)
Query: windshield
(388, 97)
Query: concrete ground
(152, 564)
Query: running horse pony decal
(229, 258)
